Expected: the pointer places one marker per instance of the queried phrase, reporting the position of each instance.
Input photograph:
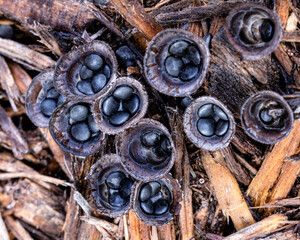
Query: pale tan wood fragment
(17, 229)
(291, 25)
(282, 9)
(137, 229)
(11, 165)
(88, 232)
(18, 143)
(25, 56)
(285, 182)
(269, 171)
(166, 232)
(63, 158)
(38, 206)
(72, 222)
(186, 217)
(290, 234)
(134, 13)
(40, 177)
(292, 37)
(3, 230)
(8, 84)
(154, 234)
(227, 190)
(21, 77)
(265, 226)
(182, 174)
(109, 227)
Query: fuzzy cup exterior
(154, 63)
(255, 128)
(190, 121)
(60, 130)
(234, 23)
(174, 209)
(103, 121)
(97, 176)
(67, 71)
(36, 93)
(148, 171)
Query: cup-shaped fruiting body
(111, 186)
(176, 62)
(42, 99)
(147, 150)
(156, 202)
(86, 72)
(208, 123)
(266, 117)
(122, 106)
(73, 127)
(253, 30)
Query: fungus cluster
(84, 98)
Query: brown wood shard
(270, 169)
(64, 15)
(18, 143)
(227, 190)
(135, 14)
(263, 227)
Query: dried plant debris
(102, 146)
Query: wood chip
(18, 143)
(8, 84)
(291, 25)
(38, 206)
(110, 227)
(265, 226)
(195, 14)
(235, 168)
(3, 230)
(286, 180)
(72, 222)
(21, 77)
(137, 229)
(25, 56)
(282, 9)
(270, 169)
(58, 14)
(134, 13)
(17, 229)
(227, 190)
(40, 177)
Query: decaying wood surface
(245, 191)
(59, 14)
